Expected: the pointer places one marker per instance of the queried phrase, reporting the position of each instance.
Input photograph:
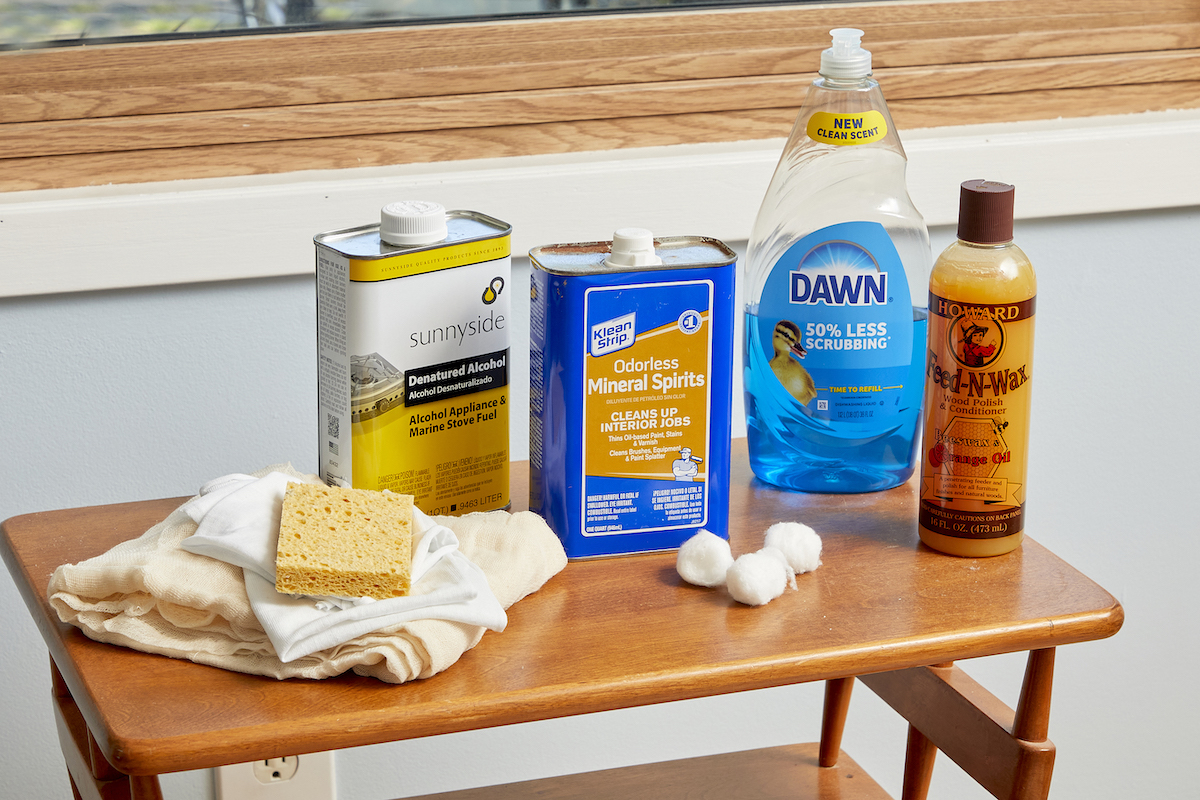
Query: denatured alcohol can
(413, 339)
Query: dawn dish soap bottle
(835, 287)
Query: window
(39, 23)
(246, 105)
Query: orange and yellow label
(648, 404)
(980, 364)
(647, 399)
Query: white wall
(146, 391)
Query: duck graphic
(795, 378)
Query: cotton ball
(776, 553)
(704, 559)
(757, 578)
(799, 544)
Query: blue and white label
(835, 325)
(613, 334)
(840, 286)
(690, 321)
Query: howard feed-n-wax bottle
(982, 293)
(835, 284)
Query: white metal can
(413, 356)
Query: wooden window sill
(121, 236)
(241, 106)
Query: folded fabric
(449, 587)
(237, 520)
(154, 595)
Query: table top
(603, 634)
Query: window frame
(279, 103)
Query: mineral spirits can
(631, 351)
(413, 363)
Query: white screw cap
(632, 247)
(846, 59)
(412, 222)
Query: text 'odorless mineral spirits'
(834, 284)
(630, 388)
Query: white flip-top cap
(412, 222)
(846, 59)
(632, 247)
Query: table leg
(1005, 752)
(918, 758)
(918, 766)
(1032, 722)
(833, 719)
(1031, 725)
(91, 774)
(144, 787)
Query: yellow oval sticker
(864, 128)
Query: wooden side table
(615, 633)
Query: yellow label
(421, 261)
(647, 404)
(864, 128)
(451, 455)
(977, 380)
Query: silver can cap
(412, 222)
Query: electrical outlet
(276, 769)
(306, 777)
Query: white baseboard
(110, 237)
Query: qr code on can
(332, 425)
(822, 405)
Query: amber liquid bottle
(978, 381)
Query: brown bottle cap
(985, 212)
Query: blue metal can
(631, 359)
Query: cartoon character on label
(685, 468)
(974, 352)
(794, 377)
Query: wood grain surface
(319, 100)
(603, 634)
(789, 772)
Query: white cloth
(237, 518)
(241, 526)
(152, 594)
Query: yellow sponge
(344, 543)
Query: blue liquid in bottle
(792, 448)
(836, 283)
